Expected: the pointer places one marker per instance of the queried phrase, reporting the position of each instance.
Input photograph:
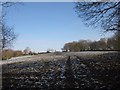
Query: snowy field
(31, 58)
(51, 56)
(63, 70)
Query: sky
(42, 26)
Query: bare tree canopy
(6, 4)
(103, 14)
(7, 35)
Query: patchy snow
(51, 56)
(31, 58)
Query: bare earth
(84, 70)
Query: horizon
(42, 26)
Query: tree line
(9, 53)
(112, 43)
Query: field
(84, 70)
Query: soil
(101, 71)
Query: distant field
(84, 70)
(53, 56)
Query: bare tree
(7, 4)
(103, 14)
(27, 50)
(7, 34)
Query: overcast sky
(41, 26)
